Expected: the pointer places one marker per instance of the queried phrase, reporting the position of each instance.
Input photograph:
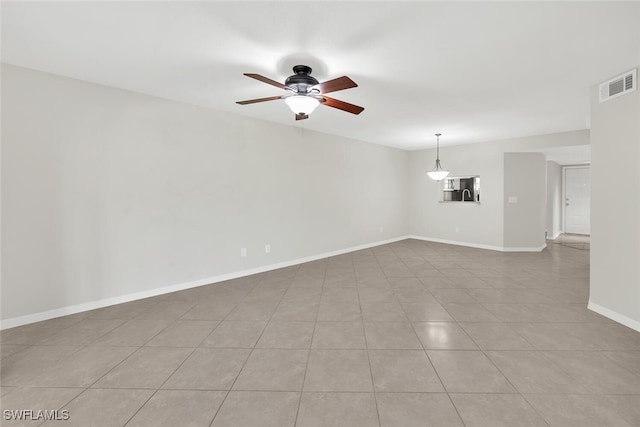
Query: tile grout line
(436, 371)
(366, 345)
(180, 365)
(496, 367)
(315, 323)
(165, 380)
(246, 360)
(174, 371)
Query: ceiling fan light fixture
(302, 104)
(438, 172)
(306, 93)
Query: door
(577, 200)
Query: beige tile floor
(406, 334)
(576, 241)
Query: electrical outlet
(381, 229)
(513, 199)
(457, 229)
(267, 248)
(243, 252)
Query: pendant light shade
(438, 172)
(302, 104)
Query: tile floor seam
(431, 363)
(445, 389)
(61, 407)
(141, 406)
(578, 380)
(220, 320)
(97, 337)
(501, 373)
(533, 346)
(177, 368)
(540, 414)
(240, 370)
(306, 367)
(156, 389)
(485, 355)
(436, 371)
(366, 346)
(217, 411)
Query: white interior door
(577, 200)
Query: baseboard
(480, 245)
(615, 316)
(555, 236)
(524, 249)
(92, 305)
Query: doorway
(577, 199)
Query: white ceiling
(474, 71)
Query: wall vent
(620, 85)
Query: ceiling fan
(306, 93)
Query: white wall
(456, 222)
(107, 193)
(554, 200)
(615, 207)
(483, 225)
(525, 201)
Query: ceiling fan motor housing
(301, 82)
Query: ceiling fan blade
(302, 116)
(334, 85)
(253, 101)
(341, 105)
(265, 80)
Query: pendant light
(438, 173)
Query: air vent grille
(628, 82)
(616, 87)
(619, 85)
